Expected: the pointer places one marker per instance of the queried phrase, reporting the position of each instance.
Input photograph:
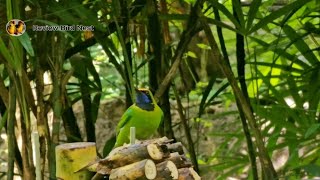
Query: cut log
(155, 151)
(188, 174)
(145, 169)
(71, 157)
(162, 140)
(175, 147)
(130, 154)
(181, 161)
(167, 170)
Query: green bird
(145, 115)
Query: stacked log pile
(157, 159)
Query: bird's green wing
(162, 117)
(161, 123)
(124, 119)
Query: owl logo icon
(15, 27)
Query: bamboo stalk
(36, 154)
(10, 130)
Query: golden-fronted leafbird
(145, 115)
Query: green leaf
(275, 72)
(281, 52)
(26, 43)
(109, 43)
(294, 159)
(116, 8)
(203, 46)
(96, 99)
(254, 7)
(4, 51)
(276, 114)
(63, 13)
(313, 94)
(255, 85)
(226, 12)
(184, 17)
(90, 67)
(111, 50)
(80, 66)
(223, 25)
(273, 139)
(205, 95)
(203, 106)
(88, 17)
(309, 27)
(312, 169)
(294, 89)
(311, 130)
(279, 66)
(276, 14)
(282, 104)
(191, 54)
(9, 9)
(17, 54)
(129, 79)
(238, 10)
(300, 44)
(191, 2)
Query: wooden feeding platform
(158, 159)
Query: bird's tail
(109, 145)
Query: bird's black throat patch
(146, 106)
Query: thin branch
(193, 27)
(186, 128)
(10, 130)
